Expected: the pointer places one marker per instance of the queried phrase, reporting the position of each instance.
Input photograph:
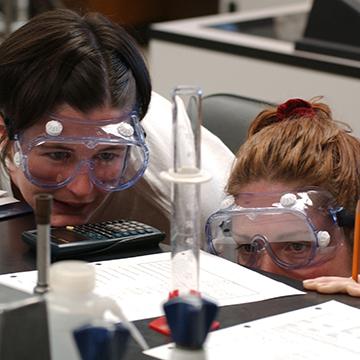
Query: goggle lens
(112, 152)
(293, 236)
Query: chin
(64, 220)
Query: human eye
(51, 152)
(246, 248)
(244, 243)
(58, 155)
(246, 254)
(106, 156)
(110, 155)
(296, 247)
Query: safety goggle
(111, 151)
(295, 229)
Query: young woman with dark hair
(80, 121)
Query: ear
(3, 132)
(2, 126)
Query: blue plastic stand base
(101, 343)
(189, 319)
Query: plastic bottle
(72, 303)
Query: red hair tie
(293, 107)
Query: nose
(81, 185)
(265, 262)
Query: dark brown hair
(60, 57)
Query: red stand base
(160, 325)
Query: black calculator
(98, 237)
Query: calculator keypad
(111, 229)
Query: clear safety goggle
(112, 152)
(296, 229)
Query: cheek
(100, 195)
(340, 265)
(97, 199)
(307, 273)
(15, 173)
(26, 188)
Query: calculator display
(64, 236)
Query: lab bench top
(268, 34)
(16, 256)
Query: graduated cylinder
(186, 176)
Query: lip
(70, 208)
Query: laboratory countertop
(16, 256)
(242, 313)
(268, 34)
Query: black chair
(228, 116)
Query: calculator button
(91, 236)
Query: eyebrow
(246, 239)
(293, 234)
(60, 146)
(119, 146)
(54, 146)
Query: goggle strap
(345, 218)
(9, 127)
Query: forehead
(262, 193)
(264, 186)
(79, 120)
(96, 114)
(267, 211)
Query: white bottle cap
(72, 276)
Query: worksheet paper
(327, 331)
(141, 284)
(5, 199)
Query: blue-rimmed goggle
(296, 229)
(111, 151)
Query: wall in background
(136, 15)
(134, 12)
(239, 5)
